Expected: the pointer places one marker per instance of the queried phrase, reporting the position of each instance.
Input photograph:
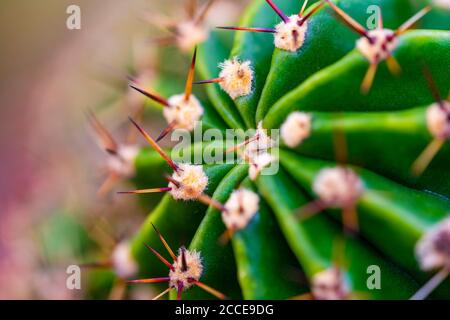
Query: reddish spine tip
(179, 290)
(184, 265)
(164, 242)
(266, 30)
(413, 20)
(155, 146)
(131, 78)
(212, 291)
(278, 11)
(432, 86)
(152, 280)
(215, 80)
(190, 78)
(155, 190)
(205, 199)
(175, 182)
(166, 131)
(349, 21)
(106, 139)
(160, 257)
(311, 13)
(111, 151)
(151, 96)
(125, 192)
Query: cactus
(363, 179)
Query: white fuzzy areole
(438, 120)
(122, 163)
(290, 36)
(190, 34)
(237, 77)
(184, 113)
(241, 207)
(261, 142)
(329, 285)
(338, 187)
(187, 277)
(256, 152)
(123, 262)
(433, 249)
(444, 4)
(296, 129)
(258, 163)
(193, 181)
(384, 42)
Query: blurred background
(51, 166)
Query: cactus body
(385, 130)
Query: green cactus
(381, 207)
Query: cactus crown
(361, 132)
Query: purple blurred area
(49, 162)
(48, 81)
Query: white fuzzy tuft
(123, 262)
(260, 143)
(258, 163)
(191, 274)
(383, 44)
(329, 285)
(444, 4)
(433, 249)
(184, 113)
(438, 120)
(192, 180)
(296, 129)
(241, 207)
(290, 36)
(190, 34)
(122, 163)
(257, 152)
(338, 187)
(237, 77)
